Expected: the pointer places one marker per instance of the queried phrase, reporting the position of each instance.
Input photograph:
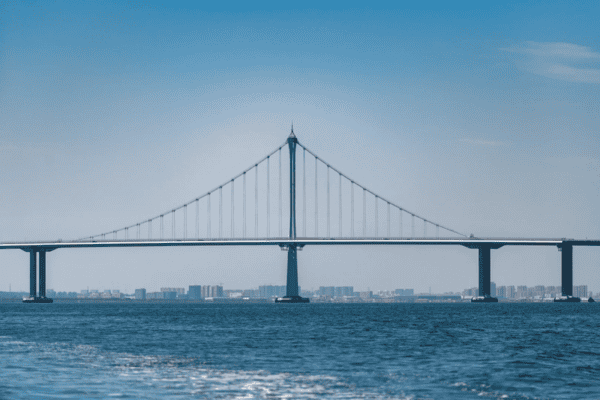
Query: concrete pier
(32, 274)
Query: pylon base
(292, 299)
(567, 299)
(37, 300)
(484, 299)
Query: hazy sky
(480, 116)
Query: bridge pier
(34, 296)
(566, 274)
(485, 272)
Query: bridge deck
(50, 245)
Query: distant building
(521, 292)
(493, 289)
(140, 294)
(251, 293)
(205, 291)
(580, 291)
(343, 291)
(176, 290)
(511, 292)
(327, 291)
(501, 291)
(269, 291)
(366, 295)
(195, 292)
(216, 291)
(404, 292)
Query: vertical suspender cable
(185, 221)
(388, 218)
(208, 233)
(173, 222)
(126, 234)
(197, 219)
(352, 209)
(400, 223)
(328, 203)
(316, 199)
(256, 200)
(232, 209)
(138, 231)
(244, 207)
(304, 192)
(149, 229)
(280, 194)
(340, 205)
(162, 226)
(220, 212)
(364, 212)
(437, 231)
(376, 217)
(268, 196)
(413, 224)
(424, 228)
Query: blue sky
(480, 115)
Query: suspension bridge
(334, 210)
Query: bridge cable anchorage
(373, 193)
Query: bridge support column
(42, 268)
(292, 272)
(34, 296)
(32, 274)
(485, 272)
(566, 274)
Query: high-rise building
(501, 291)
(140, 294)
(268, 291)
(205, 291)
(580, 291)
(521, 292)
(176, 290)
(216, 291)
(511, 292)
(399, 292)
(327, 291)
(195, 292)
(493, 289)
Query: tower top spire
(292, 132)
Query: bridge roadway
(483, 245)
(285, 241)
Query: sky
(482, 116)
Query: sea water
(299, 351)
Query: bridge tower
(291, 293)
